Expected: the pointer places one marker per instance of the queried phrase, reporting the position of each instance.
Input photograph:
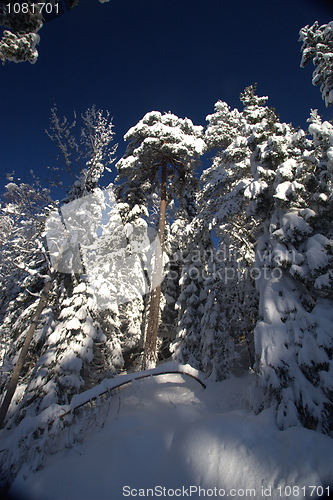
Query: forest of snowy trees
(225, 268)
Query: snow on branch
(318, 47)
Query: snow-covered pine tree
(173, 145)
(318, 47)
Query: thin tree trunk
(18, 367)
(150, 356)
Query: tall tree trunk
(150, 355)
(18, 367)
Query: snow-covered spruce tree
(237, 197)
(190, 307)
(223, 126)
(23, 268)
(169, 293)
(294, 255)
(132, 205)
(21, 218)
(161, 155)
(118, 260)
(100, 230)
(64, 367)
(318, 47)
(269, 165)
(230, 311)
(225, 210)
(176, 249)
(194, 254)
(96, 137)
(73, 352)
(276, 189)
(83, 215)
(217, 345)
(321, 203)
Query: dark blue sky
(134, 56)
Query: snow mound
(168, 436)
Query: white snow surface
(169, 432)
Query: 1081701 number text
(25, 8)
(308, 491)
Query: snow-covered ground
(167, 436)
